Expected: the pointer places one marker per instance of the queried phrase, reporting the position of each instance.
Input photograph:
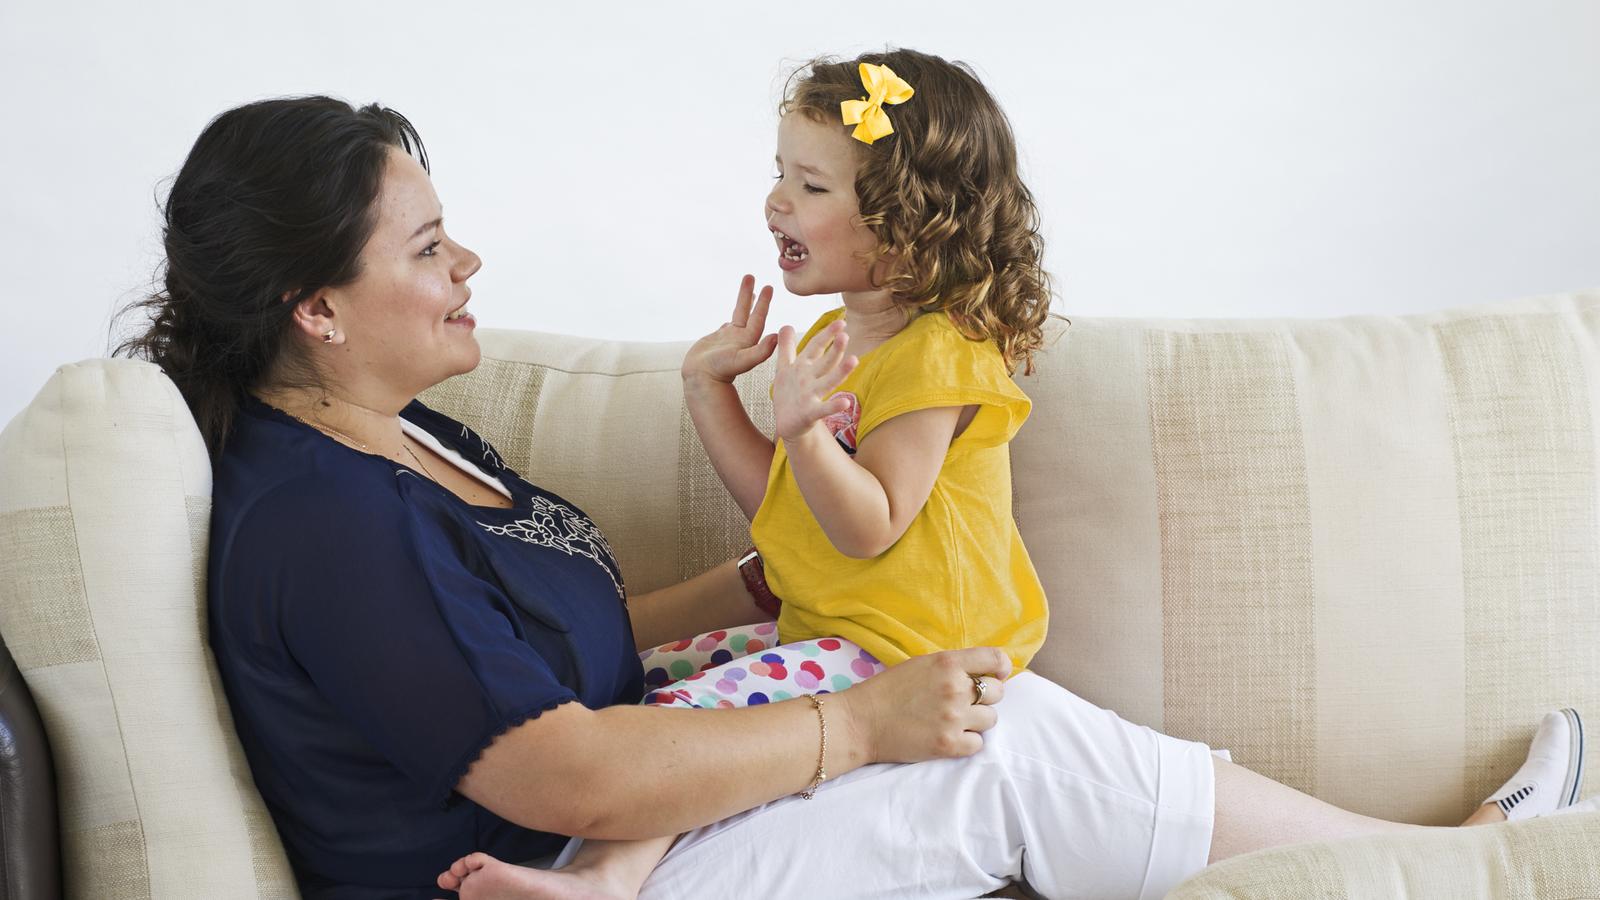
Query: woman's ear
(316, 319)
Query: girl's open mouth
(791, 253)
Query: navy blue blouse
(375, 633)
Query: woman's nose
(468, 265)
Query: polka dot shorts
(746, 666)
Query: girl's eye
(813, 189)
(428, 250)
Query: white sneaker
(1553, 775)
(1583, 806)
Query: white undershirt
(416, 433)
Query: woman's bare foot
(480, 876)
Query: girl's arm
(740, 454)
(629, 772)
(706, 602)
(866, 502)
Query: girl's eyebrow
(803, 167)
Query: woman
(427, 655)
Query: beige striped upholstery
(1556, 858)
(1360, 553)
(1287, 538)
(104, 518)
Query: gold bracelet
(822, 754)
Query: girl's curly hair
(957, 229)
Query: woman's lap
(1066, 795)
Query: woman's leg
(1074, 799)
(1065, 795)
(1254, 812)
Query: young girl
(882, 510)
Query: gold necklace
(407, 448)
(334, 432)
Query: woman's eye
(428, 250)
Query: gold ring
(978, 689)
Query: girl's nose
(775, 201)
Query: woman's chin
(464, 357)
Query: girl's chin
(798, 284)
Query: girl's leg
(780, 673)
(602, 870)
(680, 659)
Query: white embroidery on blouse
(489, 456)
(560, 527)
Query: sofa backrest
(105, 498)
(1362, 554)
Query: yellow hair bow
(883, 86)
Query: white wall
(1190, 159)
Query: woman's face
(403, 321)
(813, 213)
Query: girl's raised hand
(801, 388)
(736, 347)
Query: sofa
(1362, 554)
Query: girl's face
(812, 210)
(405, 314)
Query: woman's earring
(327, 336)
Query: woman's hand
(803, 383)
(736, 347)
(924, 708)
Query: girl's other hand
(736, 347)
(802, 387)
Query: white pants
(1068, 796)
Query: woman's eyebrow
(426, 226)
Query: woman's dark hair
(274, 203)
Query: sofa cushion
(1552, 857)
(104, 515)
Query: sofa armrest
(30, 858)
(1551, 857)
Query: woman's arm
(628, 772)
(739, 452)
(709, 601)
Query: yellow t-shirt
(959, 576)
